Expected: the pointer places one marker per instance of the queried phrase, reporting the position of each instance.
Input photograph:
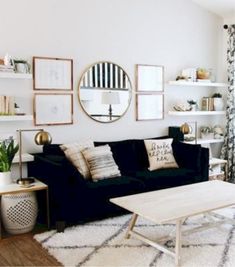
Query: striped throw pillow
(74, 155)
(101, 163)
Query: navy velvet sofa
(75, 200)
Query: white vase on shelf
(218, 104)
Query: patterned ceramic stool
(19, 212)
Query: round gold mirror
(105, 92)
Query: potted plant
(193, 104)
(7, 153)
(218, 103)
(206, 132)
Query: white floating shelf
(215, 173)
(25, 158)
(214, 161)
(185, 83)
(10, 75)
(205, 141)
(195, 113)
(16, 118)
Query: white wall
(176, 34)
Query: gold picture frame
(52, 73)
(53, 109)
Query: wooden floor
(23, 250)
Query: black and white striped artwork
(105, 75)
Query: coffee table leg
(131, 225)
(178, 243)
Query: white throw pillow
(101, 163)
(73, 153)
(160, 154)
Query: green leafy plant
(192, 102)
(7, 153)
(217, 95)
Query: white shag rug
(102, 243)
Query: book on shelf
(207, 104)
(7, 105)
(4, 68)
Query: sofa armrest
(65, 184)
(54, 169)
(187, 155)
(205, 163)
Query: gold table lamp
(41, 138)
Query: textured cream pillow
(73, 153)
(101, 163)
(160, 154)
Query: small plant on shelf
(217, 95)
(193, 104)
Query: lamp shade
(110, 98)
(42, 138)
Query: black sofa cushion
(123, 154)
(187, 156)
(53, 149)
(114, 187)
(166, 178)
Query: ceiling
(223, 8)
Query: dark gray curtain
(228, 149)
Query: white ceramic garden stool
(19, 212)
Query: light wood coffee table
(176, 205)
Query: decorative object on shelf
(218, 132)
(97, 81)
(193, 104)
(7, 105)
(189, 74)
(21, 66)
(7, 60)
(182, 107)
(7, 152)
(41, 138)
(203, 75)
(180, 77)
(149, 107)
(6, 64)
(206, 132)
(19, 212)
(52, 73)
(185, 128)
(189, 131)
(110, 98)
(53, 109)
(17, 109)
(149, 78)
(207, 104)
(218, 102)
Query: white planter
(218, 104)
(19, 212)
(5, 178)
(194, 107)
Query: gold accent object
(42, 138)
(185, 128)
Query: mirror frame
(130, 90)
